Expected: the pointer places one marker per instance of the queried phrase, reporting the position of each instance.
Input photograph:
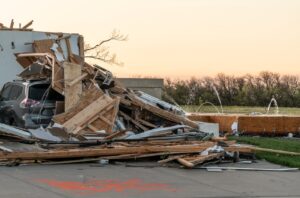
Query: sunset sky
(177, 38)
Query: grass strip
(292, 145)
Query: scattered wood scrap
(101, 119)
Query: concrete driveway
(92, 180)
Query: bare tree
(102, 52)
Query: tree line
(247, 90)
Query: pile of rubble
(101, 119)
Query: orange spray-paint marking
(99, 186)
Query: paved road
(90, 180)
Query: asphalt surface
(92, 180)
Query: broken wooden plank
(105, 120)
(97, 152)
(115, 134)
(75, 124)
(11, 24)
(72, 93)
(46, 46)
(59, 107)
(148, 124)
(81, 46)
(127, 117)
(88, 97)
(27, 25)
(203, 158)
(171, 158)
(76, 80)
(95, 111)
(163, 113)
(68, 44)
(185, 163)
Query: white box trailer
(16, 41)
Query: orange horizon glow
(178, 38)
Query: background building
(152, 86)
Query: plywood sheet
(72, 93)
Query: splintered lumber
(144, 122)
(95, 111)
(98, 152)
(115, 134)
(171, 158)
(88, 96)
(163, 113)
(81, 46)
(78, 79)
(45, 46)
(190, 162)
(27, 25)
(75, 124)
(185, 162)
(106, 118)
(73, 92)
(59, 107)
(202, 158)
(136, 123)
(11, 24)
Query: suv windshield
(39, 92)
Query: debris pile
(101, 119)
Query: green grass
(241, 109)
(292, 145)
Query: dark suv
(28, 104)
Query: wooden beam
(97, 152)
(27, 25)
(92, 127)
(204, 158)
(76, 80)
(11, 24)
(68, 44)
(144, 122)
(171, 158)
(185, 163)
(105, 120)
(75, 124)
(163, 113)
(126, 117)
(81, 46)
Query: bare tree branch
(102, 53)
(116, 35)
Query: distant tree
(247, 90)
